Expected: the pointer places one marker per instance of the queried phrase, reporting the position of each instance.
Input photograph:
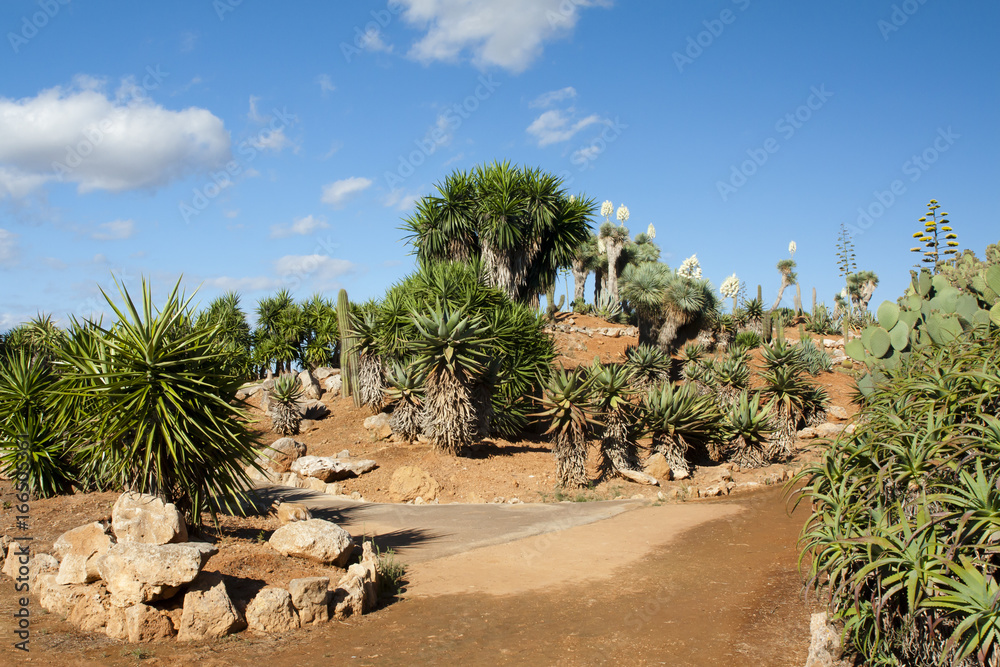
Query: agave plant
(748, 426)
(789, 394)
(566, 405)
(160, 420)
(285, 414)
(612, 398)
(648, 365)
(754, 316)
(747, 340)
(405, 391)
(607, 307)
(450, 351)
(732, 376)
(678, 418)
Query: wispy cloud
(338, 192)
(8, 248)
(299, 227)
(116, 230)
(325, 84)
(555, 126)
(545, 100)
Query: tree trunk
(579, 282)
(614, 252)
(781, 292)
(598, 283)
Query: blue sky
(254, 146)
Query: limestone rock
(208, 613)
(309, 387)
(271, 612)
(80, 550)
(59, 598)
(115, 626)
(280, 455)
(357, 591)
(824, 646)
(311, 598)
(639, 477)
(679, 473)
(657, 466)
(836, 412)
(144, 623)
(323, 372)
(333, 385)
(315, 539)
(90, 613)
(379, 425)
(312, 409)
(408, 482)
(331, 469)
(140, 517)
(16, 557)
(289, 512)
(136, 572)
(41, 564)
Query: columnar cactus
(348, 355)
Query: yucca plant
(678, 418)
(648, 365)
(371, 375)
(161, 422)
(450, 351)
(285, 415)
(567, 408)
(612, 397)
(748, 426)
(405, 392)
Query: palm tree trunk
(580, 274)
(614, 252)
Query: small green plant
(747, 340)
(137, 653)
(390, 572)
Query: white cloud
(274, 140)
(372, 41)
(403, 201)
(231, 214)
(554, 126)
(325, 84)
(8, 248)
(247, 284)
(119, 142)
(115, 230)
(507, 33)
(312, 265)
(100, 258)
(545, 100)
(338, 192)
(585, 154)
(301, 227)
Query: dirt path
(658, 585)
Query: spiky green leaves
(450, 342)
(568, 409)
(677, 417)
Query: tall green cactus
(348, 355)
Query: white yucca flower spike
(651, 231)
(791, 248)
(690, 267)
(572, 198)
(730, 287)
(623, 214)
(607, 208)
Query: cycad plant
(405, 391)
(285, 415)
(450, 352)
(678, 418)
(612, 398)
(156, 388)
(748, 426)
(648, 366)
(566, 406)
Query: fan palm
(643, 286)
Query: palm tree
(519, 222)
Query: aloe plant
(567, 408)
(285, 415)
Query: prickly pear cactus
(932, 312)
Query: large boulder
(312, 409)
(315, 539)
(80, 551)
(136, 572)
(41, 564)
(657, 466)
(90, 613)
(281, 454)
(209, 612)
(271, 612)
(140, 517)
(408, 482)
(17, 557)
(144, 623)
(311, 598)
(331, 469)
(309, 387)
(323, 372)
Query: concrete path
(426, 532)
